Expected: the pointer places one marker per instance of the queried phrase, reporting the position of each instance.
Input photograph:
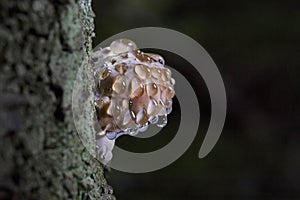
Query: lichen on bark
(42, 44)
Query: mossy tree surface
(42, 44)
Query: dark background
(256, 47)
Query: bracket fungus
(133, 89)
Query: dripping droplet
(154, 120)
(111, 135)
(133, 131)
(169, 110)
(162, 121)
(144, 127)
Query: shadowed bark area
(42, 44)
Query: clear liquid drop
(154, 120)
(162, 121)
(144, 127)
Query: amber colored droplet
(151, 89)
(163, 95)
(136, 88)
(151, 55)
(118, 68)
(134, 85)
(139, 102)
(121, 68)
(141, 117)
(156, 92)
(164, 75)
(157, 58)
(122, 45)
(170, 92)
(142, 71)
(141, 56)
(156, 73)
(119, 85)
(168, 73)
(104, 73)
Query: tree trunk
(42, 44)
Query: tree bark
(42, 44)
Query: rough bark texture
(42, 44)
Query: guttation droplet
(144, 127)
(114, 134)
(122, 45)
(162, 121)
(154, 120)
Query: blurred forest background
(256, 46)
